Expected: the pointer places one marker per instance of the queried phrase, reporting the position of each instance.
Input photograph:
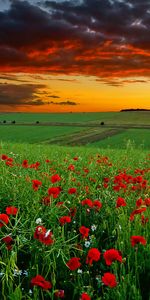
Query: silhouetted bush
(4, 121)
(102, 123)
(13, 122)
(37, 122)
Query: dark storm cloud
(54, 96)
(17, 95)
(108, 38)
(68, 102)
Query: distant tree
(102, 123)
(37, 122)
(13, 122)
(4, 121)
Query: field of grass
(107, 117)
(136, 138)
(74, 223)
(34, 134)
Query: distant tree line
(135, 109)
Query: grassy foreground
(74, 223)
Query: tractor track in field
(80, 140)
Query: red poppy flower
(4, 157)
(139, 202)
(46, 238)
(136, 239)
(84, 231)
(136, 212)
(55, 178)
(74, 263)
(112, 255)
(11, 210)
(85, 296)
(97, 204)
(87, 202)
(8, 241)
(39, 231)
(71, 167)
(109, 279)
(36, 184)
(93, 255)
(60, 294)
(4, 219)
(65, 219)
(54, 191)
(120, 202)
(25, 163)
(72, 191)
(40, 281)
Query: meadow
(74, 223)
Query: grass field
(33, 134)
(107, 117)
(136, 138)
(74, 223)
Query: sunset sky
(77, 55)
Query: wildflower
(93, 227)
(71, 167)
(38, 221)
(8, 241)
(109, 279)
(85, 296)
(84, 231)
(4, 157)
(120, 202)
(93, 255)
(4, 219)
(40, 281)
(87, 202)
(74, 263)
(65, 219)
(55, 178)
(60, 294)
(136, 212)
(136, 239)
(87, 244)
(54, 191)
(35, 184)
(11, 210)
(72, 191)
(25, 163)
(97, 204)
(112, 255)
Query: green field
(107, 117)
(135, 138)
(33, 134)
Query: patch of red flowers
(65, 219)
(36, 184)
(4, 219)
(136, 239)
(112, 255)
(109, 279)
(39, 280)
(84, 231)
(93, 255)
(55, 178)
(8, 241)
(43, 235)
(54, 192)
(11, 210)
(85, 296)
(74, 263)
(120, 202)
(72, 191)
